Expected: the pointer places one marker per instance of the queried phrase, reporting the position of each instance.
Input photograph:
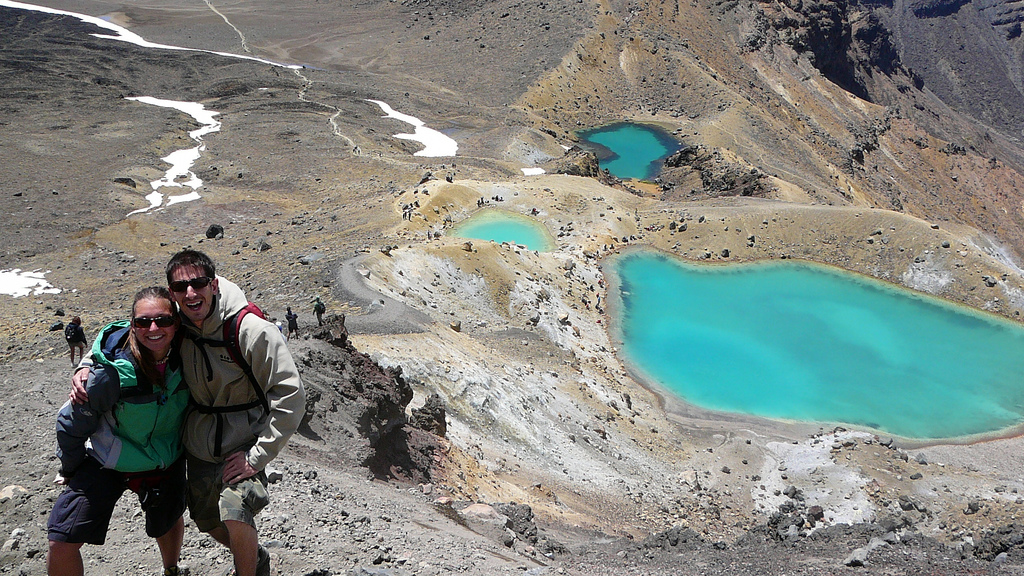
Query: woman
(75, 336)
(127, 436)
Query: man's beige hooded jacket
(220, 382)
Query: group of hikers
(186, 401)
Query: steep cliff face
(845, 40)
(969, 53)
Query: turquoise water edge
(630, 150)
(806, 342)
(501, 226)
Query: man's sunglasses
(196, 284)
(161, 321)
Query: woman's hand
(78, 394)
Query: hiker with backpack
(293, 322)
(128, 436)
(247, 401)
(75, 337)
(319, 308)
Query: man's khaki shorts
(211, 502)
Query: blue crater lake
(630, 150)
(501, 226)
(806, 342)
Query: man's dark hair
(190, 258)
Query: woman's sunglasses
(196, 284)
(161, 321)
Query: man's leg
(244, 544)
(64, 559)
(226, 512)
(170, 544)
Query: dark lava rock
(215, 231)
(675, 537)
(431, 417)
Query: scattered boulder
(674, 538)
(8, 492)
(486, 521)
(521, 517)
(308, 259)
(274, 476)
(860, 556)
(215, 231)
(431, 416)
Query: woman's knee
(61, 548)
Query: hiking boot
(176, 571)
(262, 562)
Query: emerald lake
(630, 150)
(806, 342)
(501, 226)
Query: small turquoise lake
(501, 226)
(630, 150)
(805, 342)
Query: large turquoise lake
(501, 226)
(805, 342)
(630, 150)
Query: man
(319, 308)
(227, 485)
(293, 322)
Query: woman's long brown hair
(143, 357)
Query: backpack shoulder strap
(232, 328)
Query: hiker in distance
(247, 401)
(128, 436)
(75, 336)
(319, 308)
(293, 322)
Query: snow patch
(180, 174)
(17, 283)
(124, 35)
(435, 144)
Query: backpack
(232, 326)
(69, 332)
